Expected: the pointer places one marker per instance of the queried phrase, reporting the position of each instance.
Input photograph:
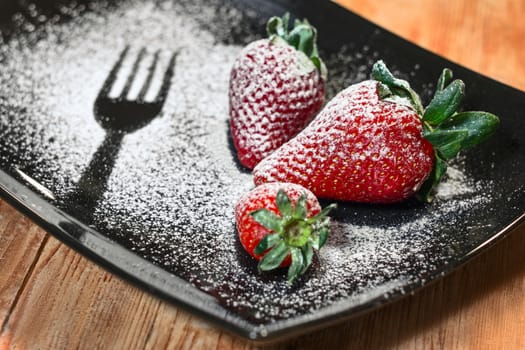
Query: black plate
(160, 211)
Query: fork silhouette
(118, 116)
(123, 115)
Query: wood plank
(20, 241)
(71, 303)
(486, 36)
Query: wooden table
(53, 298)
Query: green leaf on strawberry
(303, 37)
(478, 125)
(293, 234)
(425, 193)
(398, 88)
(445, 103)
(448, 130)
(444, 80)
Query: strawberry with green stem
(277, 85)
(281, 224)
(448, 130)
(375, 143)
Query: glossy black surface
(153, 201)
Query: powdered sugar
(171, 192)
(274, 92)
(359, 148)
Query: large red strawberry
(374, 142)
(276, 88)
(281, 224)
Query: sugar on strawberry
(276, 88)
(374, 142)
(280, 224)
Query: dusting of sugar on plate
(170, 195)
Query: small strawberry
(374, 142)
(281, 224)
(276, 88)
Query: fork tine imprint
(112, 76)
(132, 74)
(149, 78)
(122, 112)
(163, 92)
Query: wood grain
(20, 241)
(53, 298)
(487, 36)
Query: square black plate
(160, 212)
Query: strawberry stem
(293, 235)
(447, 130)
(303, 37)
(399, 88)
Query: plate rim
(42, 212)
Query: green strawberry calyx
(448, 130)
(303, 37)
(293, 234)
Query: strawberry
(375, 143)
(281, 224)
(276, 88)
